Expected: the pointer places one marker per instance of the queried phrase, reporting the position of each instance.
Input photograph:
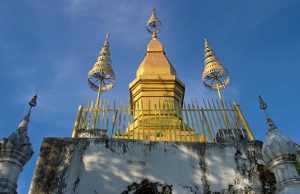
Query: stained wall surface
(107, 166)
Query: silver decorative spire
(15, 151)
(24, 123)
(279, 153)
(270, 124)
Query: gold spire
(209, 54)
(155, 61)
(156, 82)
(101, 77)
(153, 17)
(154, 25)
(215, 75)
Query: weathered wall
(125, 166)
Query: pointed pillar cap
(24, 123)
(270, 124)
(23, 126)
(276, 144)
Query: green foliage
(298, 158)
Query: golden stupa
(157, 94)
(157, 110)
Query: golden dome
(155, 46)
(155, 61)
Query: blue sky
(49, 47)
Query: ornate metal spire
(279, 153)
(262, 104)
(215, 75)
(270, 124)
(101, 77)
(154, 26)
(24, 123)
(15, 151)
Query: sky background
(49, 47)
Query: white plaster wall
(110, 170)
(221, 167)
(107, 170)
(107, 166)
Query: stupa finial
(270, 124)
(215, 75)
(154, 26)
(107, 35)
(101, 77)
(262, 103)
(24, 123)
(33, 101)
(15, 151)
